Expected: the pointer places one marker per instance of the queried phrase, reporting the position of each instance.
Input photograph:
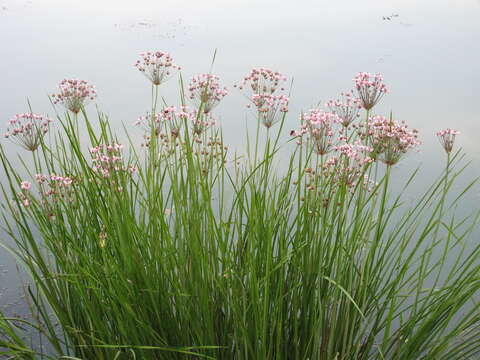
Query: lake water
(428, 54)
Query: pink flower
(269, 107)
(447, 138)
(40, 178)
(25, 185)
(107, 162)
(370, 89)
(346, 108)
(318, 126)
(157, 66)
(160, 124)
(74, 94)
(389, 139)
(27, 130)
(200, 121)
(206, 91)
(348, 165)
(263, 81)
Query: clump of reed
(179, 249)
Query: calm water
(428, 54)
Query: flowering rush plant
(288, 252)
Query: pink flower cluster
(25, 185)
(200, 121)
(151, 123)
(53, 188)
(209, 149)
(390, 139)
(263, 81)
(163, 125)
(206, 91)
(318, 126)
(346, 108)
(447, 138)
(27, 130)
(107, 160)
(24, 195)
(74, 94)
(269, 106)
(157, 66)
(370, 89)
(355, 157)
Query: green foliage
(196, 256)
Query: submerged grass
(178, 251)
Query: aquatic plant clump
(27, 130)
(74, 94)
(187, 250)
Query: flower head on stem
(269, 107)
(353, 158)
(263, 81)
(370, 89)
(157, 66)
(318, 126)
(447, 138)
(27, 130)
(74, 94)
(346, 108)
(390, 139)
(206, 91)
(201, 121)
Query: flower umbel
(269, 106)
(353, 159)
(200, 120)
(74, 94)
(151, 123)
(27, 130)
(163, 125)
(370, 89)
(263, 81)
(157, 66)
(447, 138)
(319, 127)
(346, 108)
(390, 139)
(107, 160)
(206, 91)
